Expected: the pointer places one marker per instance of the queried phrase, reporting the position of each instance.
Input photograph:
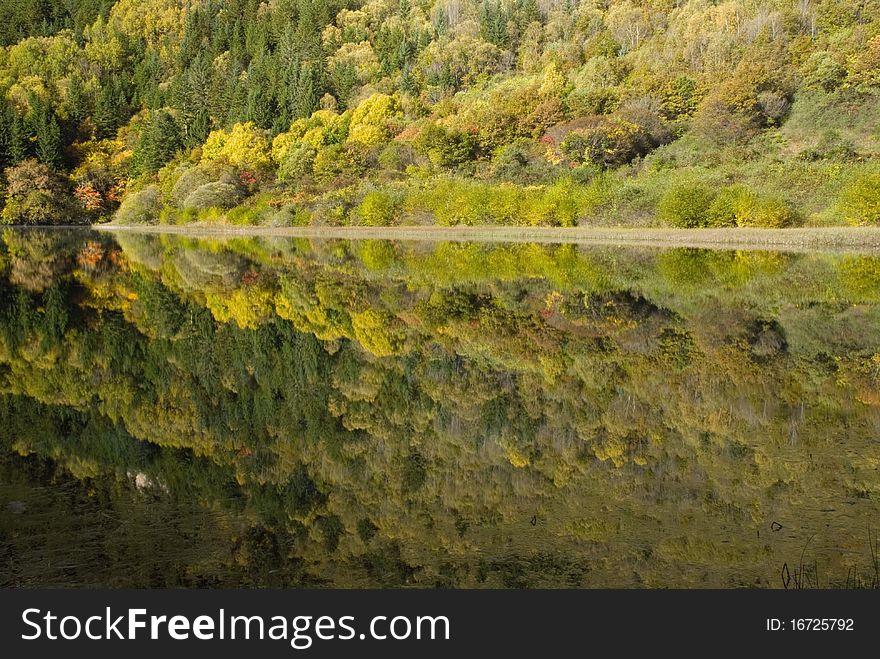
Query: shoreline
(845, 239)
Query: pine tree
(236, 103)
(50, 148)
(193, 99)
(261, 105)
(408, 83)
(307, 92)
(77, 99)
(111, 109)
(344, 79)
(159, 142)
(313, 16)
(447, 79)
(147, 79)
(440, 26)
(493, 24)
(19, 141)
(5, 134)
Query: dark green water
(278, 412)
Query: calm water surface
(282, 412)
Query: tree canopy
(643, 95)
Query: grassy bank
(843, 239)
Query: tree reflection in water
(279, 412)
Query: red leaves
(90, 255)
(89, 197)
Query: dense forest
(536, 112)
(287, 412)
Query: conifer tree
(111, 108)
(158, 142)
(19, 140)
(50, 148)
(193, 99)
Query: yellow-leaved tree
(243, 146)
(375, 120)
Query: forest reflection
(282, 412)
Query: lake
(281, 412)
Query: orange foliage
(88, 196)
(91, 254)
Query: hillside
(517, 112)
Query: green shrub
(297, 163)
(560, 205)
(141, 207)
(459, 201)
(822, 71)
(727, 206)
(574, 147)
(340, 160)
(445, 147)
(188, 182)
(617, 140)
(599, 192)
(859, 200)
(731, 112)
(334, 208)
(396, 157)
(587, 102)
(766, 212)
(520, 161)
(452, 201)
(289, 215)
(213, 195)
(831, 146)
(36, 207)
(686, 204)
(585, 174)
(679, 97)
(504, 204)
(377, 209)
(249, 214)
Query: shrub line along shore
(841, 239)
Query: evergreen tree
(5, 134)
(344, 78)
(147, 79)
(19, 140)
(307, 93)
(159, 141)
(236, 105)
(50, 148)
(493, 24)
(78, 105)
(313, 16)
(261, 106)
(408, 83)
(193, 99)
(111, 108)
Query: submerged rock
(17, 507)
